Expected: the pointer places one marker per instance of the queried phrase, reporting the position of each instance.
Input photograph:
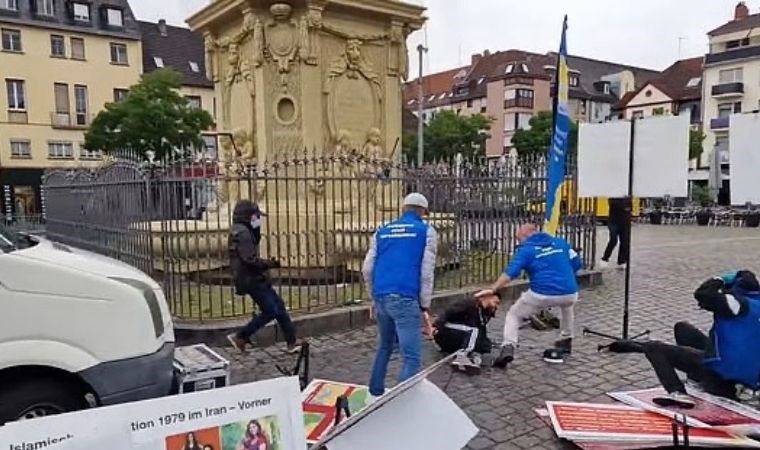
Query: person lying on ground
(462, 328)
(551, 264)
(726, 361)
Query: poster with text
(265, 415)
(611, 423)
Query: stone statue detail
(398, 55)
(343, 146)
(311, 23)
(212, 70)
(282, 39)
(352, 64)
(372, 147)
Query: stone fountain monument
(320, 75)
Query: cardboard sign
(319, 400)
(265, 414)
(708, 411)
(611, 423)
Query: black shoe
(626, 346)
(554, 356)
(564, 345)
(506, 356)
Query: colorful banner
(319, 399)
(262, 415)
(558, 152)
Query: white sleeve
(368, 267)
(427, 272)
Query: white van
(77, 330)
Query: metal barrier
(171, 219)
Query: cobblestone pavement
(668, 264)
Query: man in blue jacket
(550, 264)
(399, 270)
(726, 361)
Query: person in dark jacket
(251, 277)
(727, 359)
(619, 226)
(462, 328)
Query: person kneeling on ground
(726, 361)
(462, 328)
(551, 265)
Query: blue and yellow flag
(558, 150)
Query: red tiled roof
(674, 81)
(733, 26)
(434, 84)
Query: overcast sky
(644, 33)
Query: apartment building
(512, 86)
(177, 48)
(731, 80)
(61, 61)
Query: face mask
(256, 223)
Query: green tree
(154, 117)
(696, 139)
(449, 134)
(536, 140)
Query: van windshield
(8, 240)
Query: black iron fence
(171, 220)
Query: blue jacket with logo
(401, 260)
(734, 350)
(550, 263)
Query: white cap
(416, 199)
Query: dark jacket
(248, 268)
(619, 210)
(465, 312)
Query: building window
(731, 75)
(11, 40)
(195, 68)
(658, 111)
(119, 54)
(737, 43)
(726, 109)
(81, 105)
(115, 17)
(194, 101)
(574, 80)
(158, 61)
(61, 91)
(60, 150)
(9, 4)
(119, 95)
(518, 98)
(509, 122)
(638, 114)
(509, 69)
(45, 8)
(82, 12)
(57, 46)
(77, 48)
(469, 103)
(21, 149)
(89, 154)
(523, 121)
(694, 82)
(16, 95)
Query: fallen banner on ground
(243, 416)
(319, 399)
(408, 417)
(708, 411)
(585, 422)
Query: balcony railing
(70, 120)
(720, 123)
(519, 102)
(733, 55)
(728, 89)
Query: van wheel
(35, 398)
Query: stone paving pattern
(669, 262)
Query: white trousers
(531, 303)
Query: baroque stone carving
(353, 65)
(282, 37)
(398, 54)
(372, 146)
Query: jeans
(686, 356)
(271, 308)
(398, 321)
(619, 232)
(530, 303)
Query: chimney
(486, 53)
(475, 58)
(162, 27)
(742, 12)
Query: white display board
(603, 158)
(661, 157)
(266, 411)
(744, 153)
